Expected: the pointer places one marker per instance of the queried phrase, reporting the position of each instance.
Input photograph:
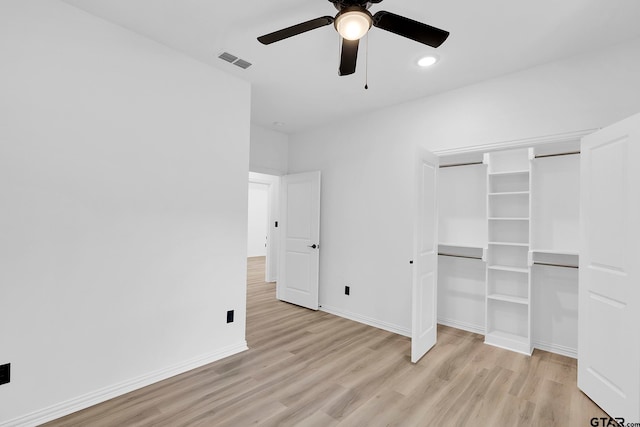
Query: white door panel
(298, 271)
(425, 261)
(299, 239)
(609, 294)
(299, 210)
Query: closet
(508, 244)
(533, 232)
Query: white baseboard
(556, 348)
(81, 402)
(541, 345)
(478, 329)
(367, 320)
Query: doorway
(262, 227)
(257, 220)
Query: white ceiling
(295, 81)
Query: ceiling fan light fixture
(353, 24)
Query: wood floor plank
(494, 395)
(309, 368)
(375, 411)
(551, 408)
(514, 411)
(305, 406)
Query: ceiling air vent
(242, 63)
(226, 56)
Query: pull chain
(339, 52)
(366, 64)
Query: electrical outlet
(346, 290)
(5, 373)
(230, 316)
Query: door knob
(313, 246)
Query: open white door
(609, 289)
(299, 239)
(425, 259)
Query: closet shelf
(508, 298)
(460, 245)
(508, 173)
(508, 268)
(552, 257)
(460, 250)
(508, 218)
(555, 252)
(508, 193)
(525, 245)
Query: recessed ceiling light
(427, 61)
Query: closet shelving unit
(508, 278)
(509, 230)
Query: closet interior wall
(476, 298)
(463, 237)
(555, 241)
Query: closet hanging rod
(460, 164)
(555, 265)
(459, 256)
(570, 153)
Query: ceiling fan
(353, 21)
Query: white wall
(365, 218)
(462, 205)
(365, 223)
(461, 293)
(257, 227)
(554, 306)
(555, 207)
(269, 151)
(123, 210)
(584, 92)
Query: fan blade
(414, 30)
(294, 30)
(348, 57)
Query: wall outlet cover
(5, 373)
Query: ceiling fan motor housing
(343, 4)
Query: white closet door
(609, 294)
(425, 274)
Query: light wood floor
(311, 368)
